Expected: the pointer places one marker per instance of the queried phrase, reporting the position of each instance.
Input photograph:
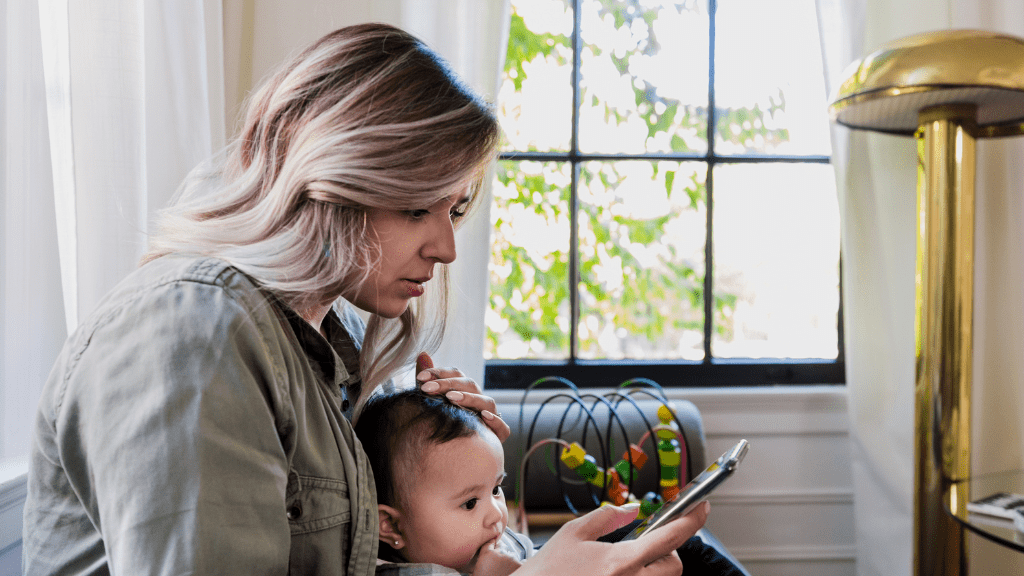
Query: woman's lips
(414, 287)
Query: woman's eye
(470, 504)
(457, 214)
(417, 214)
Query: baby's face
(456, 504)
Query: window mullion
(574, 263)
(574, 158)
(709, 185)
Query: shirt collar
(335, 358)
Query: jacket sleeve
(168, 427)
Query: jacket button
(294, 511)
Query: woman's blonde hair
(366, 117)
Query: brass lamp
(947, 89)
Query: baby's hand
(491, 561)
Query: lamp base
(944, 333)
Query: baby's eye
(497, 490)
(469, 504)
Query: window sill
(518, 374)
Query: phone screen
(695, 492)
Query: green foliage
(529, 288)
(677, 117)
(746, 126)
(635, 282)
(524, 46)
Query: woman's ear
(389, 532)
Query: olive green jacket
(194, 425)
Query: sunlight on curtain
(129, 115)
(32, 326)
(95, 78)
(114, 105)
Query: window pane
(776, 261)
(529, 269)
(535, 100)
(769, 81)
(644, 68)
(642, 230)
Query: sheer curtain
(470, 34)
(877, 186)
(109, 103)
(32, 326)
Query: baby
(438, 471)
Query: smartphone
(695, 492)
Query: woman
(198, 421)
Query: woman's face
(411, 243)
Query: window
(664, 206)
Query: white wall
(248, 58)
(789, 509)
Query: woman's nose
(440, 246)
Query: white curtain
(877, 185)
(109, 104)
(470, 34)
(32, 326)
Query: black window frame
(708, 372)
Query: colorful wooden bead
(573, 455)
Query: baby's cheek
(466, 549)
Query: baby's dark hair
(394, 427)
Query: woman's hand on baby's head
(461, 390)
(492, 561)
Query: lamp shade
(887, 89)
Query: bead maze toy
(609, 483)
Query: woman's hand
(461, 390)
(574, 549)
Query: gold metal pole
(944, 310)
